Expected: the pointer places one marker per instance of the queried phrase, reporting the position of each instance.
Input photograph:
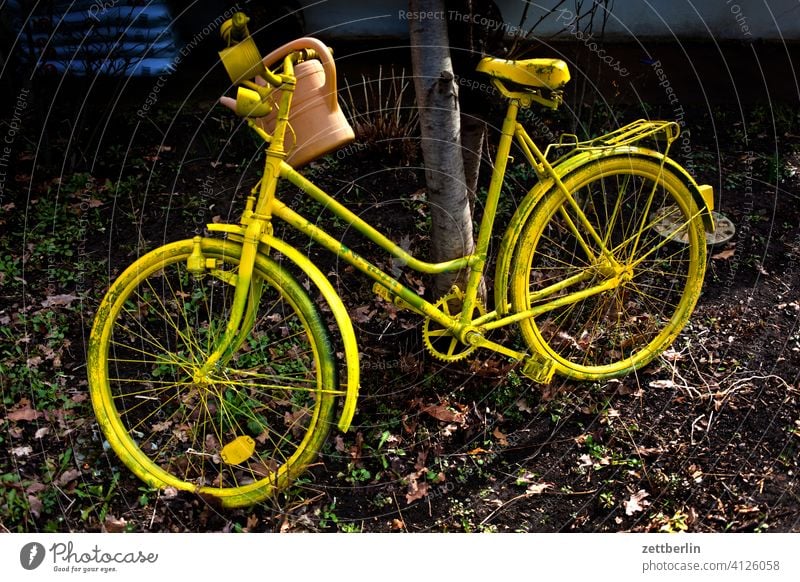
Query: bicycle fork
(246, 297)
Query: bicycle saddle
(550, 74)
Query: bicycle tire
(620, 330)
(246, 430)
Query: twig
(531, 494)
(399, 512)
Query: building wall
(630, 19)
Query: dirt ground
(705, 439)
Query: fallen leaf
(161, 426)
(422, 457)
(26, 413)
(63, 300)
(363, 314)
(538, 488)
(114, 525)
(339, 441)
(443, 413)
(637, 502)
(724, 255)
(35, 505)
(522, 405)
(35, 488)
(397, 524)
(22, 451)
(42, 432)
(501, 438)
(662, 384)
(69, 475)
(416, 491)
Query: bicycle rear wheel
(628, 201)
(238, 433)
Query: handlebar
(235, 28)
(247, 69)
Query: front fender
(702, 195)
(343, 322)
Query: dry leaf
(662, 384)
(114, 525)
(416, 491)
(26, 413)
(63, 300)
(538, 488)
(724, 255)
(443, 413)
(397, 524)
(501, 438)
(35, 505)
(69, 475)
(42, 432)
(23, 451)
(363, 314)
(339, 440)
(522, 405)
(637, 502)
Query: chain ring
(438, 340)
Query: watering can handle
(324, 55)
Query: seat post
(490, 208)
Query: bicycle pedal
(539, 368)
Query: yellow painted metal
(551, 174)
(122, 442)
(369, 232)
(325, 240)
(551, 74)
(343, 322)
(238, 450)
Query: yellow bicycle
(212, 370)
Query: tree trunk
(437, 99)
(473, 130)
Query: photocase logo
(31, 555)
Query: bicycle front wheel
(651, 229)
(238, 432)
